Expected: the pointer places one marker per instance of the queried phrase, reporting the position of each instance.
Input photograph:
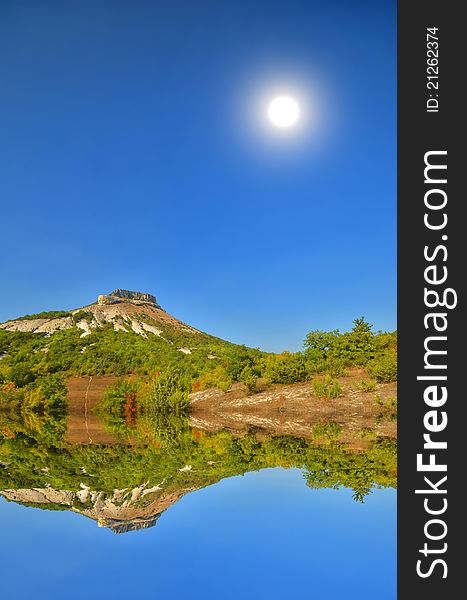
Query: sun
(284, 111)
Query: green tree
(356, 346)
(318, 342)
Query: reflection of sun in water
(284, 111)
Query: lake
(185, 513)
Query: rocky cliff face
(118, 296)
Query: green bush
(367, 433)
(335, 367)
(358, 347)
(217, 378)
(113, 398)
(384, 369)
(238, 359)
(328, 430)
(43, 395)
(286, 368)
(82, 315)
(388, 406)
(249, 376)
(166, 391)
(366, 385)
(21, 375)
(327, 388)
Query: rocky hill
(123, 332)
(121, 511)
(125, 310)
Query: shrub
(237, 360)
(21, 375)
(357, 347)
(388, 405)
(217, 378)
(335, 367)
(45, 395)
(367, 433)
(328, 430)
(82, 315)
(113, 399)
(384, 369)
(327, 388)
(249, 377)
(166, 391)
(366, 385)
(286, 368)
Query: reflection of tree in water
(333, 467)
(161, 453)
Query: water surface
(183, 513)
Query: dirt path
(84, 427)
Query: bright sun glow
(284, 111)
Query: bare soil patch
(279, 409)
(295, 409)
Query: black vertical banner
(431, 284)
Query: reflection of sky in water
(263, 535)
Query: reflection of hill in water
(122, 511)
(127, 486)
(118, 526)
(121, 514)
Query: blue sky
(134, 154)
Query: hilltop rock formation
(118, 296)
